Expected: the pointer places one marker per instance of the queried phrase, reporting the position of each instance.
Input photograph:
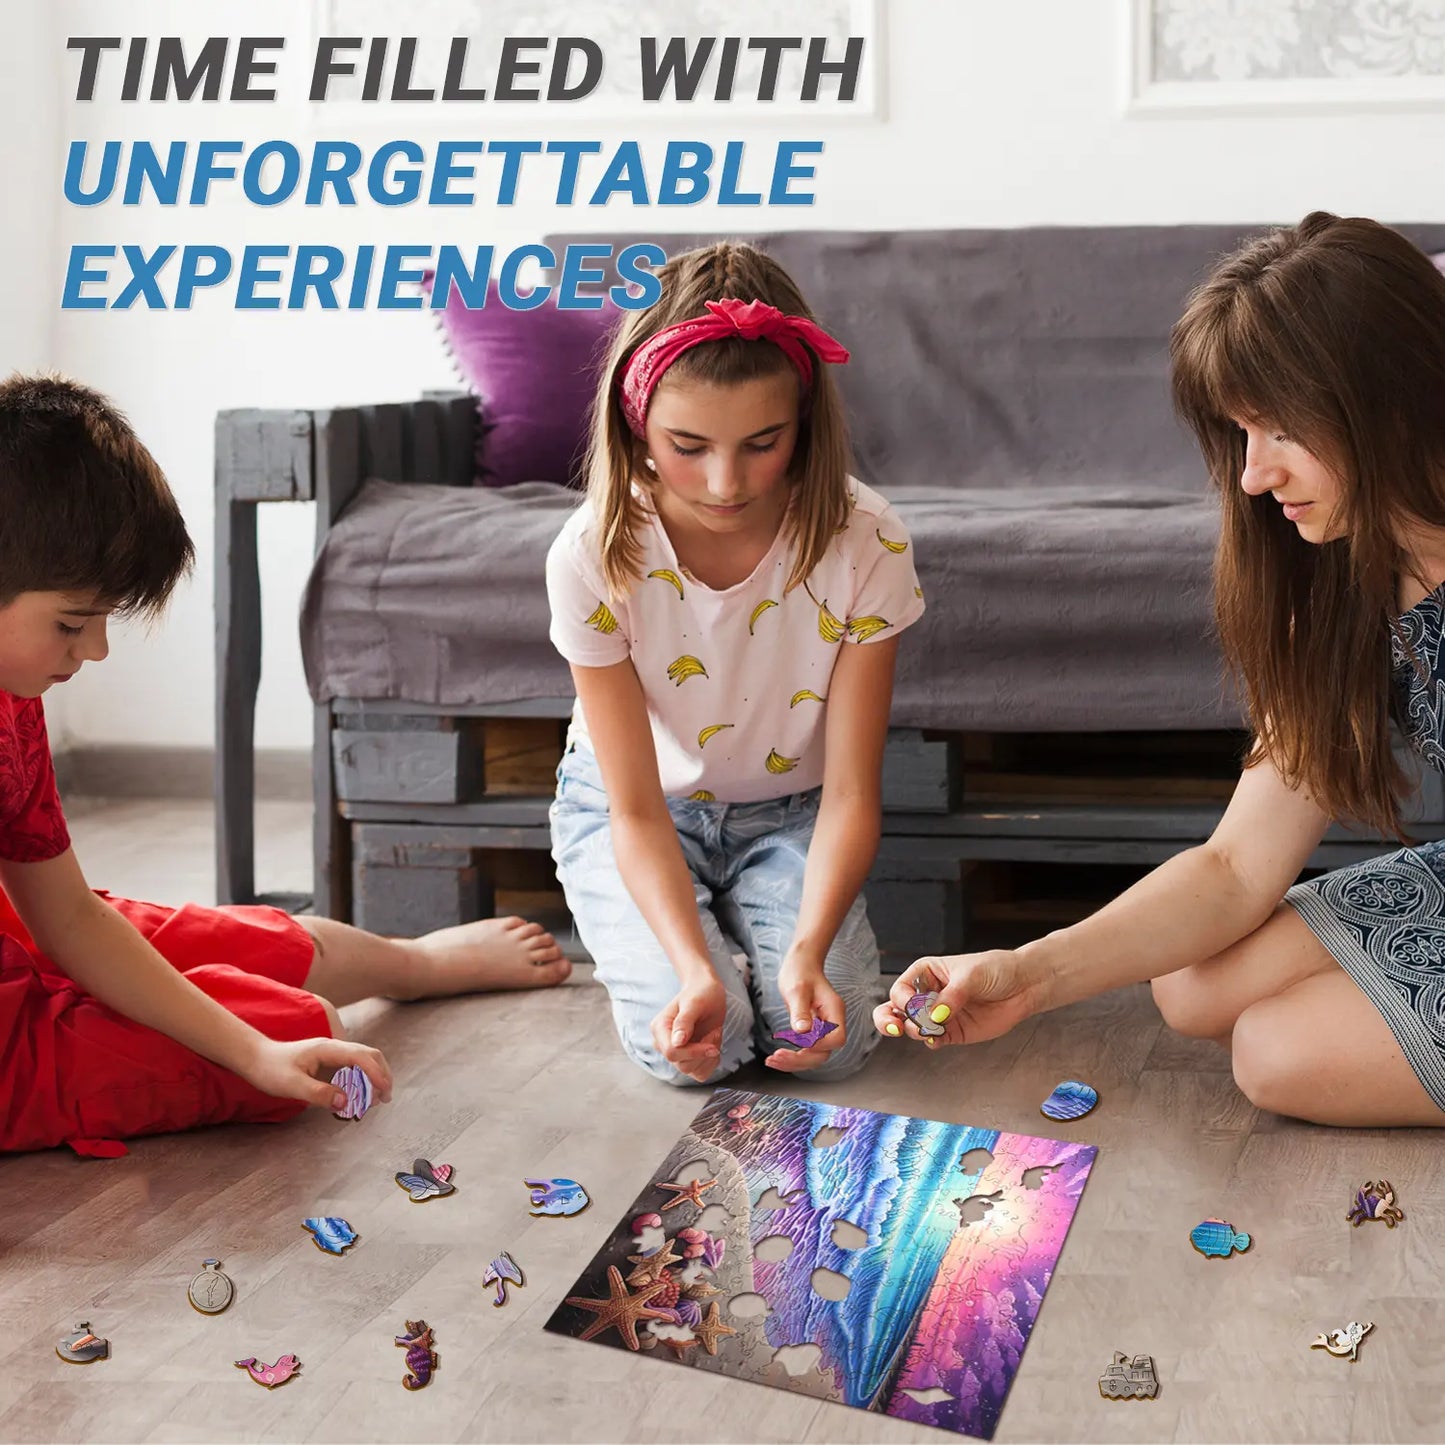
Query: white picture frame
(617, 29)
(1146, 94)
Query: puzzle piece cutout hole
(770, 1199)
(798, 1359)
(1034, 1178)
(847, 1235)
(692, 1172)
(713, 1219)
(828, 1136)
(932, 1396)
(975, 1208)
(830, 1284)
(661, 1330)
(774, 1249)
(749, 1307)
(976, 1161)
(649, 1239)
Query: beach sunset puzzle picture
(880, 1261)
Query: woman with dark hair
(1311, 368)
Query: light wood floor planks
(506, 1086)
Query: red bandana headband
(795, 336)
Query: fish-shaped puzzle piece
(426, 1180)
(357, 1088)
(1069, 1100)
(557, 1196)
(926, 1014)
(330, 1233)
(81, 1347)
(1345, 1343)
(1217, 1240)
(806, 1038)
(502, 1271)
(270, 1375)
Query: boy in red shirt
(120, 1018)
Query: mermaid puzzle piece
(806, 1038)
(1217, 1240)
(269, 1375)
(211, 1291)
(502, 1271)
(1070, 1100)
(421, 1359)
(357, 1088)
(1376, 1201)
(80, 1347)
(426, 1180)
(1345, 1343)
(330, 1233)
(926, 1014)
(557, 1196)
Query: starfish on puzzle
(712, 1329)
(651, 1267)
(691, 1193)
(621, 1311)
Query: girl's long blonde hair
(818, 474)
(1334, 332)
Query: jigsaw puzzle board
(885, 1262)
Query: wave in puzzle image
(884, 1262)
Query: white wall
(998, 114)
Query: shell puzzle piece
(502, 1271)
(1345, 1343)
(270, 1375)
(211, 1291)
(926, 1014)
(81, 1347)
(426, 1180)
(421, 1358)
(1069, 1100)
(806, 1038)
(1126, 1379)
(357, 1088)
(1215, 1239)
(330, 1233)
(1376, 1201)
(562, 1197)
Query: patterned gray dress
(1384, 919)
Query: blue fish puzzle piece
(1217, 1240)
(561, 1197)
(330, 1233)
(1070, 1100)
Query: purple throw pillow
(533, 374)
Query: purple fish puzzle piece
(357, 1088)
(806, 1038)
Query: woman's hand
(290, 1070)
(688, 1032)
(809, 996)
(985, 994)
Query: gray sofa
(1008, 392)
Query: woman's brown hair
(1332, 332)
(818, 474)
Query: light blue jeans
(746, 861)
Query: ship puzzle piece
(1126, 1379)
(1376, 1201)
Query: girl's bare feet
(482, 957)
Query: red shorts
(72, 1069)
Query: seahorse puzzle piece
(421, 1358)
(806, 1038)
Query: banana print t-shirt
(736, 681)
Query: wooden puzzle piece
(1345, 1343)
(1126, 1379)
(1376, 1202)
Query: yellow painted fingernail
(893, 1029)
(940, 1013)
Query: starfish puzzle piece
(690, 1193)
(651, 1267)
(621, 1311)
(712, 1329)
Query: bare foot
(482, 957)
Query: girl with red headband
(729, 599)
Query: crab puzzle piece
(1376, 1201)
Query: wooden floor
(502, 1087)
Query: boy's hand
(688, 1032)
(986, 993)
(809, 996)
(289, 1070)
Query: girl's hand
(986, 994)
(809, 996)
(688, 1032)
(290, 1070)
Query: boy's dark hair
(84, 508)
